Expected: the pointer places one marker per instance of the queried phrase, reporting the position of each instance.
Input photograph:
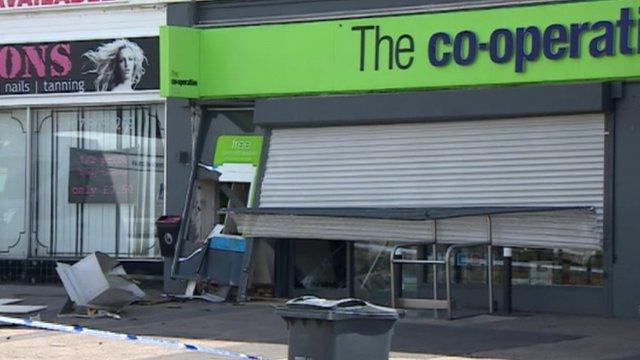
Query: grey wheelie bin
(346, 329)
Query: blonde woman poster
(119, 65)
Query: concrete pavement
(255, 329)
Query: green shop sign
(578, 41)
(238, 149)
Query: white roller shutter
(553, 161)
(545, 161)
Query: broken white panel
(243, 173)
(9, 301)
(97, 281)
(21, 309)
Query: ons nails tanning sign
(115, 65)
(576, 41)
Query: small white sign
(243, 173)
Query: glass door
(13, 160)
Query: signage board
(180, 71)
(542, 43)
(101, 177)
(116, 65)
(238, 149)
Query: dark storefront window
(557, 267)
(320, 264)
(529, 266)
(371, 271)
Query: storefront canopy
(539, 227)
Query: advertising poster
(101, 177)
(116, 65)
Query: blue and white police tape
(75, 329)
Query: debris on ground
(9, 301)
(97, 286)
(9, 307)
(21, 309)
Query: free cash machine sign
(238, 149)
(577, 41)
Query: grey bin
(347, 329)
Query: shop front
(368, 119)
(82, 133)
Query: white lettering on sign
(240, 144)
(31, 4)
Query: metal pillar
(507, 255)
(434, 251)
(28, 208)
(490, 263)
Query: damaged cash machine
(208, 255)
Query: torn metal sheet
(98, 282)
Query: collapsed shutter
(576, 229)
(550, 161)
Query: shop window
(320, 264)
(371, 271)
(98, 178)
(13, 136)
(470, 266)
(531, 267)
(557, 267)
